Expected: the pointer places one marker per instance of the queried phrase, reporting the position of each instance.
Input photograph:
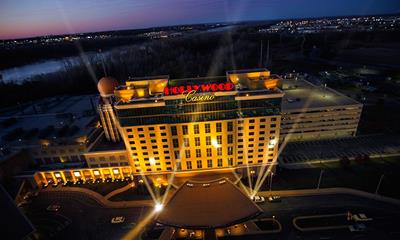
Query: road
(79, 217)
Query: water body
(23, 73)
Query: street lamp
(270, 184)
(320, 178)
(379, 184)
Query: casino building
(200, 123)
(156, 125)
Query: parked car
(258, 199)
(358, 227)
(53, 208)
(119, 219)
(274, 199)
(361, 217)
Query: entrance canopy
(208, 204)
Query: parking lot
(303, 152)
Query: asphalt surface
(80, 217)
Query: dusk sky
(27, 18)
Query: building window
(199, 164)
(209, 163)
(262, 126)
(185, 129)
(251, 121)
(153, 141)
(209, 152)
(141, 135)
(273, 119)
(230, 150)
(273, 125)
(174, 131)
(219, 139)
(207, 127)
(230, 126)
(140, 129)
(230, 161)
(198, 153)
(251, 127)
(177, 154)
(197, 141)
(219, 151)
(230, 138)
(196, 129)
(152, 134)
(219, 127)
(272, 131)
(162, 128)
(208, 140)
(186, 142)
(219, 162)
(189, 165)
(175, 143)
(187, 153)
(262, 120)
(129, 130)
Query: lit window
(115, 171)
(96, 172)
(77, 174)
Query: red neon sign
(209, 87)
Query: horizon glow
(27, 18)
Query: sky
(28, 18)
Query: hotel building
(156, 125)
(201, 123)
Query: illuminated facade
(202, 123)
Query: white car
(361, 217)
(119, 219)
(274, 199)
(258, 199)
(53, 208)
(358, 227)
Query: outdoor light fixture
(77, 174)
(115, 171)
(57, 175)
(152, 161)
(214, 143)
(96, 172)
(158, 207)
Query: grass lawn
(358, 176)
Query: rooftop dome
(106, 86)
